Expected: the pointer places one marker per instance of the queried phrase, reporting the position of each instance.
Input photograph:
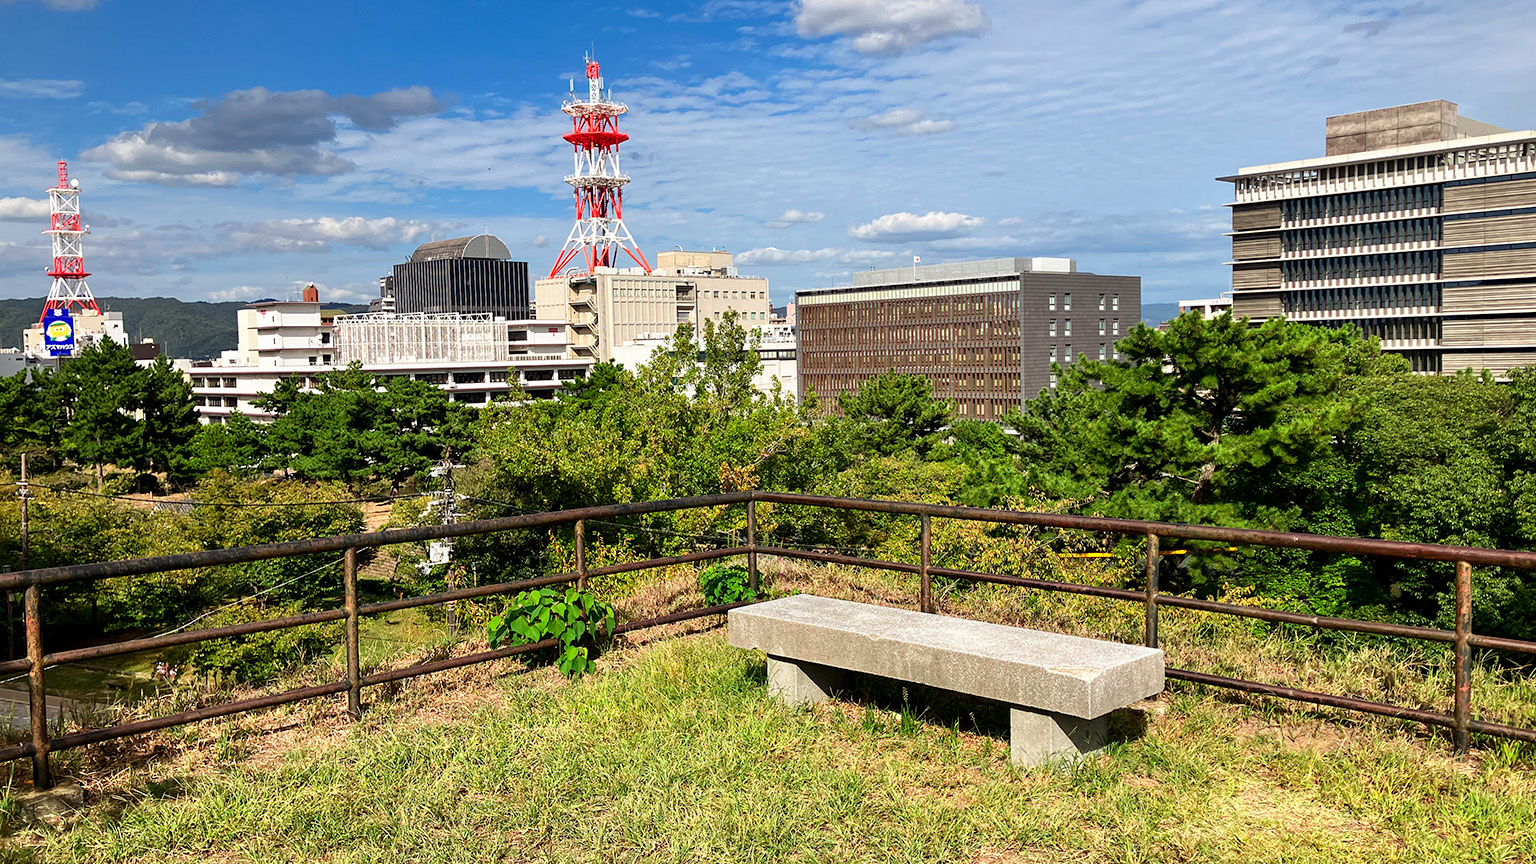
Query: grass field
(673, 752)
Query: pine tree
(102, 388)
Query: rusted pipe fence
(1462, 638)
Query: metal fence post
(1154, 558)
(1463, 656)
(925, 595)
(354, 659)
(42, 777)
(752, 546)
(581, 554)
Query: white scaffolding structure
(446, 337)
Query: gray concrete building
(985, 332)
(1418, 225)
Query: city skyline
(811, 139)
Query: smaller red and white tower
(599, 184)
(69, 290)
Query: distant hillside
(1156, 313)
(197, 330)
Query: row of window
(1363, 203)
(1105, 328)
(905, 358)
(1362, 298)
(1066, 356)
(1362, 234)
(1423, 263)
(1497, 155)
(1113, 301)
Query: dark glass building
(465, 274)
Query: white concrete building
(474, 357)
(605, 309)
(776, 352)
(1210, 307)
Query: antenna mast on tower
(599, 185)
(69, 290)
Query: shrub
(545, 613)
(725, 583)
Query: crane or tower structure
(69, 290)
(599, 184)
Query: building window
(1117, 327)
(1053, 380)
(1066, 302)
(1053, 326)
(314, 361)
(1115, 303)
(1053, 353)
(1067, 327)
(1066, 354)
(1101, 302)
(1101, 326)
(1051, 305)
(326, 359)
(1103, 351)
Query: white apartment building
(776, 352)
(475, 358)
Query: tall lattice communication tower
(599, 231)
(69, 290)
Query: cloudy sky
(234, 151)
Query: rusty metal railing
(38, 660)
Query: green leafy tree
(236, 445)
(360, 427)
(729, 361)
(169, 420)
(102, 388)
(893, 413)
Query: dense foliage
(572, 618)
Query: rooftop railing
(1461, 638)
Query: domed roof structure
(478, 246)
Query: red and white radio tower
(69, 290)
(599, 185)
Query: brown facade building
(1419, 226)
(985, 332)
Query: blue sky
(234, 151)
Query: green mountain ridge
(199, 329)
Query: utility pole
(441, 551)
(10, 614)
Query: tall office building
(985, 332)
(1418, 225)
(465, 274)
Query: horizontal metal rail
(1462, 638)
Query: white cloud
(540, 242)
(41, 88)
(889, 26)
(64, 5)
(241, 292)
(910, 226)
(769, 256)
(317, 235)
(794, 216)
(903, 121)
(1010, 221)
(23, 209)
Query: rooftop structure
(1418, 226)
(986, 333)
(464, 274)
(599, 232)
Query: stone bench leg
(799, 683)
(1045, 737)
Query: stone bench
(1060, 689)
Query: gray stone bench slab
(1060, 688)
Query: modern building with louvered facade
(986, 333)
(465, 274)
(1418, 225)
